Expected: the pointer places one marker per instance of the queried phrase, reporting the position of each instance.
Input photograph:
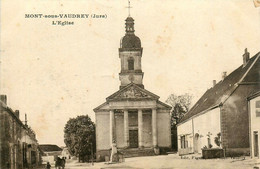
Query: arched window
(131, 63)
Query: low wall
(185, 151)
(212, 153)
(236, 152)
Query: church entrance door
(133, 138)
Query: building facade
(65, 153)
(50, 153)
(18, 144)
(221, 114)
(254, 124)
(133, 118)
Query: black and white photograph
(130, 84)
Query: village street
(130, 84)
(172, 161)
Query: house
(19, 146)
(254, 124)
(65, 153)
(32, 155)
(221, 114)
(132, 118)
(50, 152)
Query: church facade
(132, 118)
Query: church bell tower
(130, 54)
(132, 118)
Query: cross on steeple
(129, 7)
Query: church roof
(129, 18)
(218, 94)
(130, 41)
(163, 105)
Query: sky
(54, 73)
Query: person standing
(48, 166)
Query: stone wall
(185, 129)
(235, 121)
(102, 131)
(147, 129)
(11, 147)
(200, 131)
(163, 128)
(207, 126)
(102, 135)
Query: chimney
(17, 113)
(224, 75)
(3, 98)
(245, 57)
(214, 82)
(25, 120)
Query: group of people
(59, 163)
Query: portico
(140, 128)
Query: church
(132, 118)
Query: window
(184, 142)
(257, 108)
(130, 64)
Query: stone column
(126, 128)
(154, 127)
(140, 128)
(111, 126)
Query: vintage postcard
(130, 84)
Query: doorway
(256, 148)
(133, 138)
(197, 143)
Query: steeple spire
(129, 6)
(130, 53)
(129, 25)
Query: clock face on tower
(131, 78)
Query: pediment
(132, 91)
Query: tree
(79, 136)
(218, 139)
(180, 105)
